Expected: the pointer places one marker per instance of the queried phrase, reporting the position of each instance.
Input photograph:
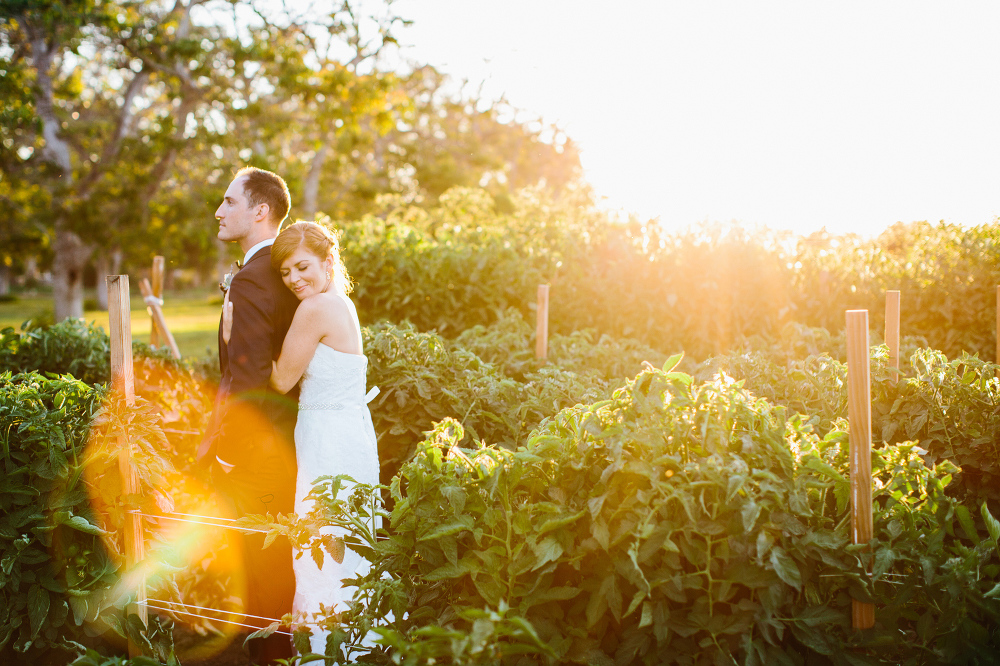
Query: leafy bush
(509, 343)
(947, 276)
(702, 290)
(424, 379)
(674, 523)
(62, 510)
(949, 407)
(466, 261)
(174, 404)
(69, 347)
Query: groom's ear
(263, 210)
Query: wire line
(199, 522)
(212, 610)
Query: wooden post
(859, 404)
(123, 381)
(157, 282)
(542, 317)
(892, 329)
(156, 313)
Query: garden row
(575, 511)
(466, 261)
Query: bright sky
(795, 115)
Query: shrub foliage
(680, 522)
(465, 261)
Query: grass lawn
(192, 317)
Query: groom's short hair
(266, 187)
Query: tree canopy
(124, 120)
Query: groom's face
(235, 215)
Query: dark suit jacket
(253, 429)
(249, 416)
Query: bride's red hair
(319, 241)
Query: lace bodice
(333, 380)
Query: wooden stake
(859, 403)
(156, 313)
(123, 381)
(542, 317)
(157, 280)
(892, 329)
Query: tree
(439, 138)
(106, 91)
(107, 96)
(123, 118)
(452, 139)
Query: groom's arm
(244, 416)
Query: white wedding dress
(333, 435)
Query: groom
(250, 443)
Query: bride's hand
(227, 318)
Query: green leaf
(647, 615)
(965, 520)
(785, 567)
(818, 615)
(992, 525)
(883, 561)
(750, 512)
(560, 521)
(823, 468)
(447, 571)
(672, 362)
(38, 608)
(489, 588)
(549, 550)
(79, 607)
(449, 528)
(83, 525)
(555, 594)
(262, 633)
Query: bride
(334, 432)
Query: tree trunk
(116, 261)
(70, 258)
(31, 272)
(4, 279)
(102, 268)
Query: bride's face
(305, 273)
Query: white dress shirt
(252, 251)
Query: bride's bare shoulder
(325, 305)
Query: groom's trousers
(264, 482)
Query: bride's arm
(303, 336)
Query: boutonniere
(227, 280)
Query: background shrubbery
(464, 262)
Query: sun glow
(850, 116)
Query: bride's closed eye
(300, 267)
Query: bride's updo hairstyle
(318, 240)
